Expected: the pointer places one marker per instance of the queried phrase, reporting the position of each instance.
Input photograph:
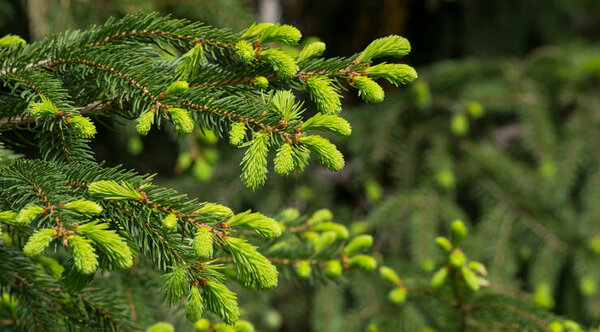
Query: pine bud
(340, 230)
(202, 170)
(12, 40)
(202, 325)
(161, 327)
(325, 240)
(359, 243)
(389, 274)
(223, 302)
(254, 163)
(287, 215)
(284, 160)
(245, 51)
(244, 326)
(170, 222)
(370, 91)
(555, 326)
(222, 327)
(145, 122)
(109, 242)
(237, 133)
(303, 269)
(593, 244)
(470, 278)
(457, 258)
(328, 122)
(84, 255)
(216, 209)
(257, 29)
(320, 216)
(458, 232)
(8, 217)
(178, 87)
(260, 82)
(328, 154)
(459, 124)
(311, 50)
(182, 120)
(334, 269)
(283, 64)
(84, 206)
(587, 286)
(443, 243)
(324, 94)
(203, 243)
(445, 178)
(112, 190)
(397, 295)
(174, 285)
(28, 214)
(394, 46)
(421, 94)
(84, 127)
(283, 34)
(253, 269)
(363, 262)
(478, 267)
(542, 296)
(397, 74)
(439, 277)
(265, 226)
(475, 109)
(193, 309)
(45, 108)
(38, 242)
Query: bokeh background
(501, 130)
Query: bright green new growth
(389, 274)
(112, 190)
(161, 327)
(245, 51)
(328, 122)
(459, 231)
(237, 133)
(220, 300)
(109, 242)
(28, 214)
(12, 40)
(439, 277)
(254, 163)
(253, 269)
(358, 244)
(170, 222)
(369, 91)
(181, 120)
(256, 29)
(145, 122)
(38, 242)
(203, 243)
(324, 240)
(178, 87)
(284, 160)
(214, 208)
(393, 46)
(284, 34)
(340, 230)
(194, 307)
(363, 262)
(443, 243)
(8, 217)
(324, 94)
(327, 153)
(321, 216)
(397, 74)
(261, 82)
(283, 64)
(311, 50)
(189, 64)
(84, 127)
(265, 226)
(303, 269)
(44, 108)
(284, 102)
(397, 295)
(84, 206)
(84, 255)
(174, 285)
(334, 268)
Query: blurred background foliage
(501, 130)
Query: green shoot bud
(439, 277)
(253, 269)
(393, 46)
(12, 40)
(8, 217)
(334, 269)
(202, 170)
(245, 51)
(324, 94)
(178, 87)
(397, 296)
(284, 160)
(311, 50)
(222, 327)
(587, 286)
(470, 278)
(84, 255)
(174, 285)
(45, 108)
(457, 258)
(194, 307)
(145, 122)
(170, 222)
(478, 267)
(443, 243)
(38, 242)
(340, 230)
(202, 325)
(389, 274)
(161, 327)
(28, 214)
(283, 34)
(181, 120)
(320, 216)
(84, 127)
(459, 124)
(555, 326)
(109, 242)
(283, 64)
(265, 226)
(370, 91)
(363, 262)
(256, 29)
(397, 74)
(203, 243)
(359, 243)
(458, 232)
(542, 296)
(261, 82)
(237, 133)
(303, 269)
(445, 178)
(325, 240)
(84, 206)
(112, 190)
(244, 326)
(221, 301)
(52, 267)
(475, 109)
(254, 163)
(328, 122)
(190, 63)
(216, 209)
(328, 154)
